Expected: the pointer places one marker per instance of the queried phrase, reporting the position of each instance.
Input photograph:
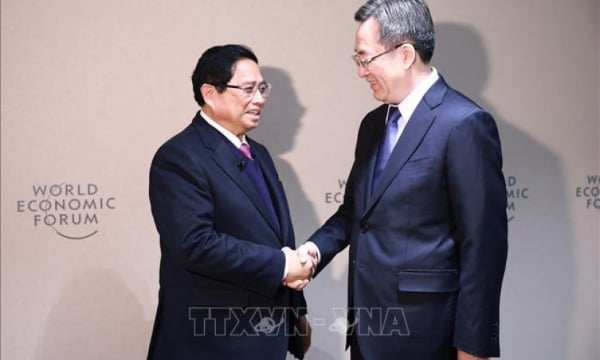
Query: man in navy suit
(226, 237)
(424, 211)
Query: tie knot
(245, 149)
(393, 114)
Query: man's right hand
(308, 251)
(300, 268)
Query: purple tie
(254, 172)
(388, 142)
(245, 148)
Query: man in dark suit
(424, 211)
(226, 236)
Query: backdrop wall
(90, 89)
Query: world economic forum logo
(516, 193)
(589, 191)
(73, 211)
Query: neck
(208, 111)
(419, 73)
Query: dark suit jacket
(221, 262)
(428, 245)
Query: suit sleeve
(477, 194)
(335, 234)
(183, 210)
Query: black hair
(217, 65)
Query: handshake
(301, 265)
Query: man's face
(238, 110)
(386, 73)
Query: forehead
(367, 37)
(246, 70)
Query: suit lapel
(413, 134)
(375, 137)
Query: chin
(379, 97)
(252, 125)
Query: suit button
(364, 227)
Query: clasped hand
(301, 266)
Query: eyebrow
(253, 82)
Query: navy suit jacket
(428, 244)
(221, 262)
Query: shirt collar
(236, 141)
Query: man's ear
(208, 94)
(408, 54)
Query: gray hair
(402, 21)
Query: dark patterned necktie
(254, 172)
(388, 142)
